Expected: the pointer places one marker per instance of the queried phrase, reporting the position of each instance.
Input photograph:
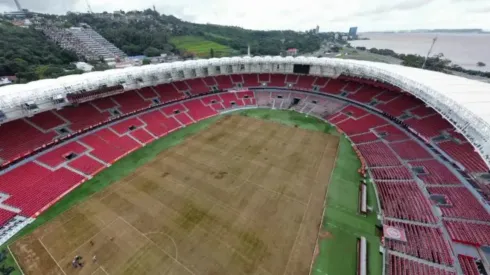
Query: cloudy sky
(335, 15)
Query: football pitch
(235, 194)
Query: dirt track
(244, 196)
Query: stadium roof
(464, 102)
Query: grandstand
(422, 137)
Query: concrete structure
(84, 41)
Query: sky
(368, 15)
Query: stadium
(247, 165)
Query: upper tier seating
(422, 111)
(46, 120)
(83, 116)
(251, 80)
(464, 154)
(462, 204)
(430, 126)
(353, 126)
(277, 80)
(305, 82)
(399, 105)
(131, 101)
(105, 103)
(147, 93)
(18, 138)
(404, 200)
(168, 93)
(365, 94)
(469, 232)
(197, 86)
(423, 242)
(334, 86)
(435, 172)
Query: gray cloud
(405, 5)
(369, 15)
(46, 6)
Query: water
(462, 49)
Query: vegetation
(199, 46)
(28, 55)
(137, 31)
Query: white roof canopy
(463, 102)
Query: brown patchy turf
(244, 196)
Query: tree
(211, 52)
(146, 61)
(29, 55)
(151, 51)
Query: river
(462, 49)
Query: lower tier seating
(423, 242)
(391, 173)
(33, 187)
(434, 172)
(468, 265)
(404, 266)
(5, 216)
(404, 200)
(378, 154)
(87, 165)
(364, 137)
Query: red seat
(404, 200)
(86, 165)
(57, 156)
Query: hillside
(146, 32)
(27, 54)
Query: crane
(430, 50)
(18, 5)
(88, 6)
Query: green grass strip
(338, 252)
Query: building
(353, 32)
(6, 80)
(292, 52)
(84, 66)
(317, 30)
